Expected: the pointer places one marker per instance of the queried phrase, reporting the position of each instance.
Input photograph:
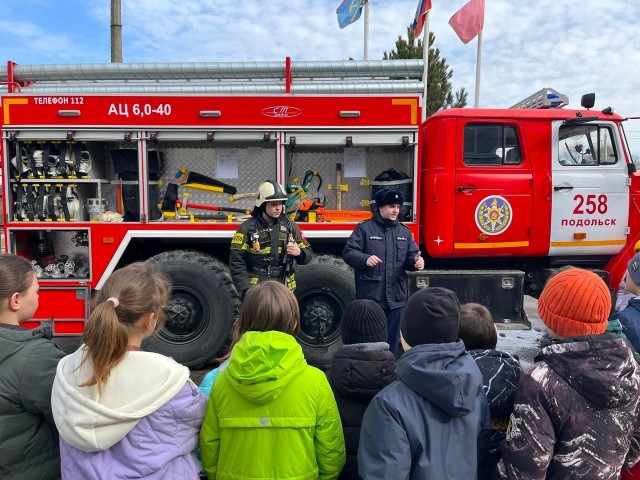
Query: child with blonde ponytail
(122, 412)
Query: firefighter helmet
(270, 191)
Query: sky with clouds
(573, 46)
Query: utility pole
(366, 30)
(116, 31)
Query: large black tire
(324, 287)
(200, 311)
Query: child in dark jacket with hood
(28, 359)
(360, 369)
(501, 373)
(576, 411)
(425, 425)
(629, 317)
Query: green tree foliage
(439, 89)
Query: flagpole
(366, 30)
(425, 61)
(478, 69)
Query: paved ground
(524, 343)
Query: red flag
(469, 20)
(421, 12)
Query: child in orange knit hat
(583, 312)
(576, 410)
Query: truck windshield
(587, 145)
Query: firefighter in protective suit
(268, 246)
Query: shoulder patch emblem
(238, 238)
(514, 428)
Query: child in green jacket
(272, 416)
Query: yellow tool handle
(201, 186)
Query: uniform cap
(388, 196)
(575, 302)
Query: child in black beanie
(360, 369)
(426, 423)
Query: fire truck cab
(508, 173)
(532, 188)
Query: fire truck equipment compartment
(501, 291)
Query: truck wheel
(324, 287)
(200, 311)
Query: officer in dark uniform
(268, 246)
(380, 250)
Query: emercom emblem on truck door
(493, 215)
(590, 194)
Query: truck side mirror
(631, 168)
(588, 100)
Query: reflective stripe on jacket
(245, 261)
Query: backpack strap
(51, 204)
(63, 202)
(40, 203)
(46, 150)
(253, 226)
(62, 164)
(19, 194)
(77, 154)
(29, 203)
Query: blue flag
(349, 11)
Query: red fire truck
(497, 198)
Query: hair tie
(114, 300)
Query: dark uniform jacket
(28, 438)
(357, 374)
(576, 412)
(250, 266)
(501, 373)
(386, 283)
(425, 425)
